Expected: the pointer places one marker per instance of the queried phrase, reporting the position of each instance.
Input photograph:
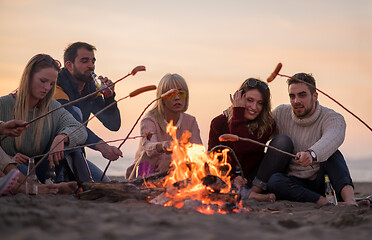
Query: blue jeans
(97, 173)
(303, 190)
(273, 161)
(64, 170)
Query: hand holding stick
(235, 138)
(147, 135)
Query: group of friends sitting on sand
(312, 132)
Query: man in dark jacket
(75, 81)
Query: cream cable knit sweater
(323, 132)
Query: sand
(66, 217)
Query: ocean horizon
(360, 169)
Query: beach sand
(66, 217)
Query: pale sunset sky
(214, 44)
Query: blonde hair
(265, 119)
(21, 106)
(168, 82)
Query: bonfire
(196, 180)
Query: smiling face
(303, 103)
(41, 83)
(253, 104)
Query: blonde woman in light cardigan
(152, 153)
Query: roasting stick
(147, 135)
(133, 72)
(132, 94)
(235, 138)
(165, 95)
(276, 73)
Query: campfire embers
(197, 180)
(208, 200)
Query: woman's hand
(239, 181)
(163, 147)
(20, 158)
(12, 128)
(238, 99)
(162, 166)
(58, 144)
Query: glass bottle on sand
(31, 183)
(329, 191)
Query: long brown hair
(265, 119)
(21, 106)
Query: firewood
(118, 191)
(214, 182)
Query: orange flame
(190, 165)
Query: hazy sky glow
(214, 44)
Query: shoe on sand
(8, 182)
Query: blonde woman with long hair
(249, 116)
(33, 98)
(153, 153)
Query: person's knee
(336, 158)
(282, 142)
(9, 167)
(275, 181)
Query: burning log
(192, 204)
(174, 188)
(223, 197)
(214, 182)
(161, 199)
(152, 178)
(229, 207)
(118, 191)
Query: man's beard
(306, 112)
(82, 77)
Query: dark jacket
(67, 90)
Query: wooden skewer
(133, 72)
(234, 138)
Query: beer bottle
(50, 175)
(107, 92)
(31, 182)
(329, 192)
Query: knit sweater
(323, 132)
(150, 124)
(61, 122)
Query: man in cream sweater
(316, 132)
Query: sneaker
(8, 182)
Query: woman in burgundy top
(250, 116)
